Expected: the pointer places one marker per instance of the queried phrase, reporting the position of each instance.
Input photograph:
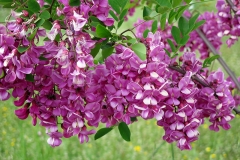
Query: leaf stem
(51, 6)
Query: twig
(51, 5)
(194, 77)
(221, 61)
(233, 7)
(197, 79)
(237, 111)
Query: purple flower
(54, 139)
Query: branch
(232, 6)
(237, 111)
(221, 61)
(51, 5)
(197, 79)
(194, 77)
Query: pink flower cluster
(58, 84)
(217, 25)
(229, 21)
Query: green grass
(19, 140)
(22, 141)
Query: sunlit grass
(20, 140)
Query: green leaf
(30, 77)
(176, 3)
(91, 32)
(22, 49)
(95, 50)
(57, 38)
(146, 12)
(198, 24)
(45, 15)
(165, 3)
(154, 26)
(120, 23)
(33, 6)
(161, 10)
(163, 21)
(192, 21)
(47, 25)
(114, 5)
(145, 33)
(140, 50)
(123, 14)
(171, 17)
(184, 40)
(113, 15)
(188, 1)
(40, 22)
(131, 41)
(33, 34)
(207, 62)
(49, 1)
(102, 32)
(42, 58)
(183, 25)
(171, 44)
(2, 75)
(124, 131)
(168, 53)
(6, 2)
(102, 132)
(8, 5)
(74, 3)
(180, 12)
(122, 3)
(107, 52)
(176, 33)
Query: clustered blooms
(230, 23)
(58, 84)
(217, 25)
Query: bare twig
(233, 7)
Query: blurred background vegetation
(19, 140)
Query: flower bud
(19, 20)
(25, 13)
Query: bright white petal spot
(81, 64)
(164, 93)
(220, 94)
(138, 107)
(153, 101)
(186, 91)
(147, 100)
(139, 95)
(147, 86)
(143, 66)
(154, 75)
(219, 106)
(190, 100)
